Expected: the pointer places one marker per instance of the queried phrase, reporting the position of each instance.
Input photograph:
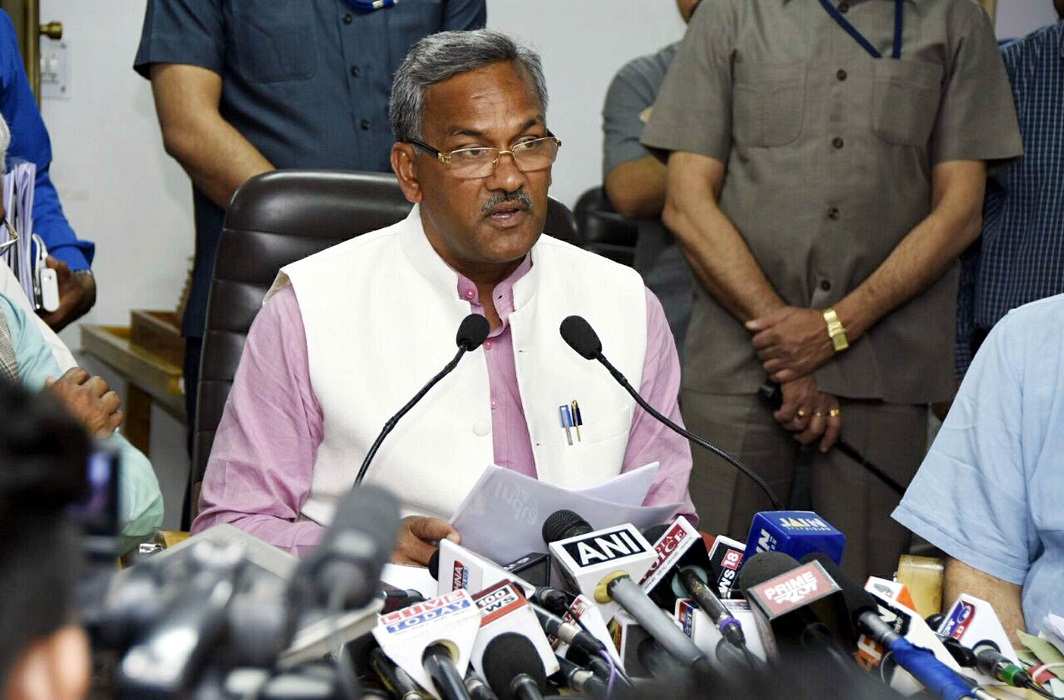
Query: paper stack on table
(502, 517)
(1044, 654)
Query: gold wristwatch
(835, 330)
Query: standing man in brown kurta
(826, 166)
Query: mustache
(497, 198)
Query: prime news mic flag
(581, 337)
(472, 332)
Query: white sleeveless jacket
(380, 313)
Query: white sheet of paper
(406, 577)
(502, 517)
(1053, 631)
(627, 489)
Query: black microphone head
(858, 601)
(353, 549)
(580, 336)
(763, 566)
(506, 657)
(472, 331)
(564, 524)
(434, 565)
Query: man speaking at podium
(347, 336)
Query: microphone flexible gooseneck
(581, 337)
(771, 394)
(472, 332)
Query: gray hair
(442, 56)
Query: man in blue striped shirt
(1020, 256)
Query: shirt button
(469, 294)
(837, 142)
(493, 404)
(355, 71)
(841, 75)
(348, 19)
(487, 346)
(825, 285)
(364, 124)
(833, 213)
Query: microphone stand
(772, 396)
(389, 425)
(704, 444)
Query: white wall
(583, 44)
(117, 185)
(1017, 18)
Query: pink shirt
(259, 472)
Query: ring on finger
(819, 414)
(835, 412)
(801, 413)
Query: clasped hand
(791, 342)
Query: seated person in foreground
(347, 336)
(44, 654)
(989, 492)
(25, 357)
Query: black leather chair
(275, 219)
(602, 230)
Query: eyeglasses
(11, 233)
(480, 161)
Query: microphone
(585, 615)
(167, 658)
(568, 633)
(345, 568)
(682, 570)
(454, 567)
(795, 533)
(991, 662)
(800, 603)
(974, 623)
(514, 669)
(504, 610)
(395, 679)
(439, 665)
(895, 607)
(921, 663)
(971, 620)
(477, 687)
(432, 641)
(581, 337)
(472, 332)
(581, 680)
(602, 565)
(725, 559)
(771, 394)
(551, 599)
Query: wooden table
(150, 379)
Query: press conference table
(150, 379)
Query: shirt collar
(504, 290)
